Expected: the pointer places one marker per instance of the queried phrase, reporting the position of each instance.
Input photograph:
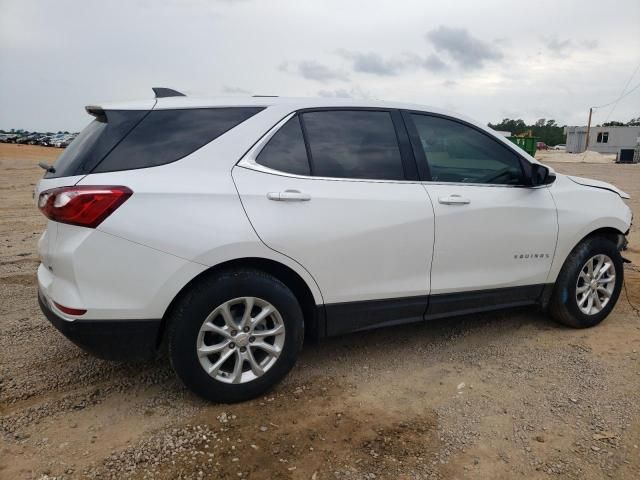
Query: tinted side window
(165, 136)
(285, 151)
(458, 153)
(353, 144)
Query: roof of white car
(294, 103)
(264, 101)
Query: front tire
(235, 335)
(589, 283)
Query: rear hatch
(121, 139)
(93, 144)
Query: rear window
(131, 139)
(95, 141)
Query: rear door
(337, 191)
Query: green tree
(509, 125)
(547, 131)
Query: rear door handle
(289, 196)
(454, 200)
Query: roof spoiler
(95, 111)
(162, 92)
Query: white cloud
(468, 51)
(312, 70)
(56, 57)
(376, 64)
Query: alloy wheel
(595, 284)
(240, 340)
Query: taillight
(86, 206)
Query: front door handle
(289, 196)
(454, 200)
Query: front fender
(581, 211)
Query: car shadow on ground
(435, 337)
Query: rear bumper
(108, 339)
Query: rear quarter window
(286, 151)
(164, 136)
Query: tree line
(548, 131)
(634, 122)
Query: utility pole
(586, 146)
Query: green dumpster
(528, 144)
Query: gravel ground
(500, 395)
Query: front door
(330, 190)
(495, 238)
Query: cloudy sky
(489, 59)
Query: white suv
(228, 229)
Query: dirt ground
(497, 396)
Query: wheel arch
(612, 233)
(313, 314)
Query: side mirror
(540, 175)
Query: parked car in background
(8, 138)
(560, 146)
(64, 140)
(57, 139)
(541, 146)
(28, 139)
(227, 228)
(44, 141)
(60, 140)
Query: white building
(602, 139)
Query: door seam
(433, 250)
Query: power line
(619, 98)
(614, 103)
(622, 93)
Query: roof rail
(162, 92)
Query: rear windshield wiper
(46, 167)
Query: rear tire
(589, 283)
(232, 315)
